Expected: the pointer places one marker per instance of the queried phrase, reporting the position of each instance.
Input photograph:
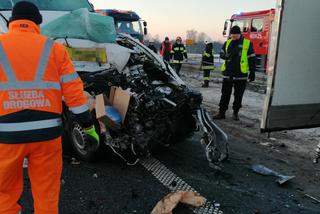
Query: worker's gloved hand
(93, 137)
(252, 77)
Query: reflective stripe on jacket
(178, 53)
(35, 73)
(207, 61)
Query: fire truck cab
(255, 26)
(127, 22)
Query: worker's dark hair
(26, 10)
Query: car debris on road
(263, 170)
(169, 202)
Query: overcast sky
(175, 17)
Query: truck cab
(127, 22)
(50, 9)
(255, 26)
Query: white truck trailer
(293, 92)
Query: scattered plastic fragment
(309, 196)
(262, 170)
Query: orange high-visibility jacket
(35, 73)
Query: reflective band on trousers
(235, 78)
(177, 61)
(69, 77)
(38, 83)
(29, 126)
(79, 109)
(244, 62)
(208, 67)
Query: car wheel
(79, 142)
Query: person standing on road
(178, 54)
(35, 74)
(207, 65)
(238, 68)
(165, 49)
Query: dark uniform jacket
(233, 57)
(178, 53)
(208, 59)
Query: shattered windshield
(54, 5)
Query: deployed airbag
(82, 24)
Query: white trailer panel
(293, 93)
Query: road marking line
(175, 183)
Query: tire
(78, 140)
(183, 127)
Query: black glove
(252, 76)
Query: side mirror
(145, 24)
(225, 26)
(145, 31)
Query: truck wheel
(78, 141)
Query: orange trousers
(44, 170)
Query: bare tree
(192, 34)
(199, 40)
(156, 38)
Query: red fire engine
(255, 26)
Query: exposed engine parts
(162, 111)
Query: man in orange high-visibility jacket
(35, 73)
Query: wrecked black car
(161, 109)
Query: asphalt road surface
(109, 186)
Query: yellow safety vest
(244, 62)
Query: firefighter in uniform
(35, 74)
(207, 65)
(178, 54)
(238, 68)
